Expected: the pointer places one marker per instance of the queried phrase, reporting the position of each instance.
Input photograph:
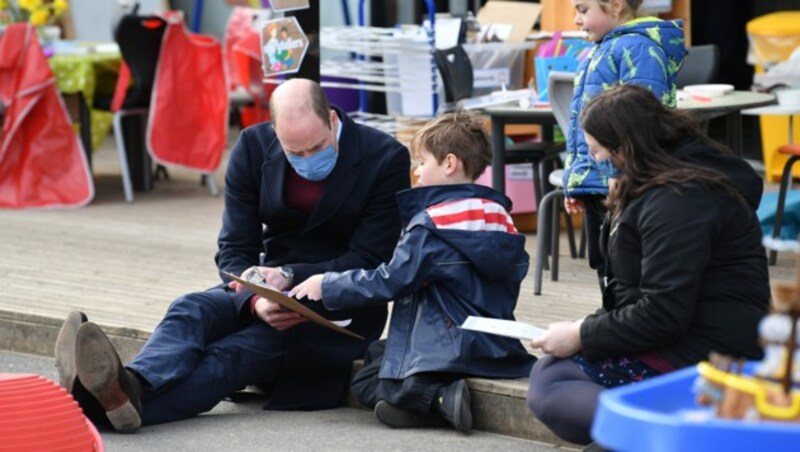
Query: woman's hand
(310, 288)
(563, 339)
(276, 316)
(573, 206)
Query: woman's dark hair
(639, 130)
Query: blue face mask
(315, 167)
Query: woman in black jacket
(685, 270)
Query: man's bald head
(297, 98)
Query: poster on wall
(283, 46)
(288, 5)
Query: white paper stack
(508, 328)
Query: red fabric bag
(188, 122)
(42, 162)
(247, 57)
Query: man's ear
(332, 117)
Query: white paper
(509, 328)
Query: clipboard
(292, 305)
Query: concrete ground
(244, 426)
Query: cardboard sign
(283, 46)
(520, 16)
(293, 305)
(288, 5)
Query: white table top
(774, 110)
(735, 100)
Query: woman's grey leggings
(564, 398)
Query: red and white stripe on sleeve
(472, 214)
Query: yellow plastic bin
(773, 38)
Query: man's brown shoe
(65, 350)
(100, 371)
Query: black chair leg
(549, 201)
(582, 248)
(555, 236)
(538, 186)
(161, 170)
(573, 252)
(786, 180)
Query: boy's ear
(452, 164)
(617, 8)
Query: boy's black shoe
(65, 350)
(454, 404)
(100, 371)
(399, 418)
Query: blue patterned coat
(646, 51)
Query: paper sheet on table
(293, 305)
(509, 328)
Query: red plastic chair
(793, 151)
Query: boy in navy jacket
(459, 255)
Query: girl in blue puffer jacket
(647, 51)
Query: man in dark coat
(310, 192)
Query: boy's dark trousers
(415, 393)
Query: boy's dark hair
(459, 133)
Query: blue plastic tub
(661, 415)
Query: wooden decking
(124, 263)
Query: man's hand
(563, 339)
(271, 274)
(573, 206)
(276, 316)
(310, 288)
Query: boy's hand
(310, 288)
(573, 206)
(276, 316)
(563, 339)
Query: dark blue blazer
(354, 225)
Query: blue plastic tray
(661, 415)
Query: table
(83, 75)
(729, 105)
(500, 116)
(777, 110)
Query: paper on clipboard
(508, 328)
(293, 305)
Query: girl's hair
(459, 133)
(631, 7)
(639, 132)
